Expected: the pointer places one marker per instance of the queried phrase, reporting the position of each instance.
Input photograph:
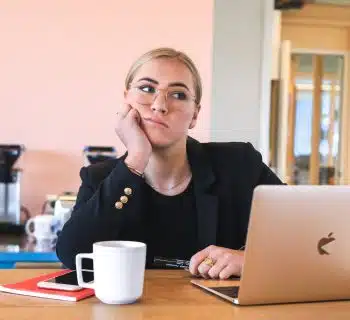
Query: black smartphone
(67, 281)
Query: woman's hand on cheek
(133, 137)
(217, 263)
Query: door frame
(344, 158)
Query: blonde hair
(168, 53)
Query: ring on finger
(209, 261)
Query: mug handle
(28, 232)
(78, 260)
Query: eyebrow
(172, 84)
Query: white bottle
(63, 209)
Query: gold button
(124, 199)
(128, 191)
(118, 205)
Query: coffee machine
(94, 154)
(10, 192)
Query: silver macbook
(297, 249)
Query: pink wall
(62, 67)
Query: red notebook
(29, 288)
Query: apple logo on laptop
(324, 241)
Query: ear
(125, 93)
(195, 116)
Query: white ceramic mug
(43, 227)
(119, 269)
(44, 245)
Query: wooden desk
(167, 295)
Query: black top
(172, 231)
(224, 176)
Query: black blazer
(224, 177)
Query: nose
(160, 104)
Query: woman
(184, 199)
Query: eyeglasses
(146, 94)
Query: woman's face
(163, 93)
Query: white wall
(242, 53)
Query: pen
(177, 264)
(171, 263)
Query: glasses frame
(134, 86)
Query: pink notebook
(29, 288)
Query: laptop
(297, 248)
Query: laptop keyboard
(231, 292)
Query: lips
(156, 121)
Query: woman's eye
(179, 95)
(147, 89)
